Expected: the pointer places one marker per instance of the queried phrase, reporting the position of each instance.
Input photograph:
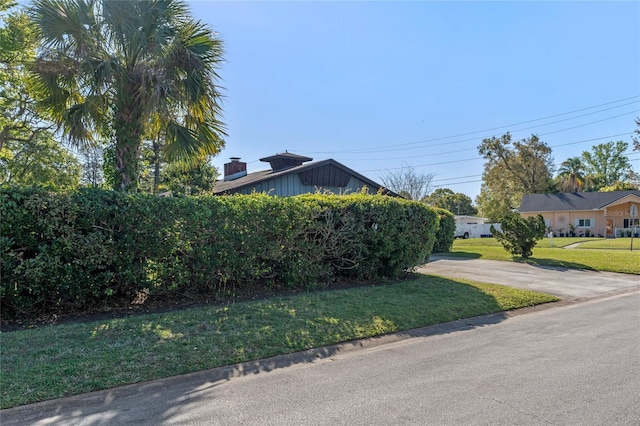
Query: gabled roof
(573, 201)
(250, 179)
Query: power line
(458, 183)
(480, 158)
(591, 140)
(494, 128)
(626, 154)
(593, 122)
(424, 165)
(475, 139)
(459, 177)
(475, 149)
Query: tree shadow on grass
(543, 263)
(170, 399)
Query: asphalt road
(562, 282)
(575, 364)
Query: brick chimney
(235, 169)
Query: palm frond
(79, 124)
(100, 71)
(182, 143)
(64, 23)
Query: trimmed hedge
(446, 231)
(77, 251)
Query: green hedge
(81, 250)
(446, 231)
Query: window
(584, 223)
(629, 223)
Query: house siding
(291, 184)
(327, 175)
(616, 214)
(559, 226)
(608, 212)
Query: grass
(597, 254)
(611, 244)
(67, 359)
(492, 242)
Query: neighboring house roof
(573, 201)
(226, 187)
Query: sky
(379, 86)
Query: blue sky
(381, 85)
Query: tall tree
(407, 182)
(571, 175)
(125, 66)
(511, 170)
(92, 170)
(29, 155)
(607, 164)
(494, 202)
(455, 202)
(39, 161)
(17, 47)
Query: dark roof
(571, 201)
(222, 187)
(288, 155)
(285, 160)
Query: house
(292, 174)
(588, 213)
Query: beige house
(603, 214)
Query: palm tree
(571, 175)
(121, 68)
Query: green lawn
(54, 361)
(612, 244)
(593, 253)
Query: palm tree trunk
(129, 128)
(156, 164)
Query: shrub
(519, 235)
(375, 236)
(445, 232)
(90, 248)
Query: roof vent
(285, 160)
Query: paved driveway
(562, 282)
